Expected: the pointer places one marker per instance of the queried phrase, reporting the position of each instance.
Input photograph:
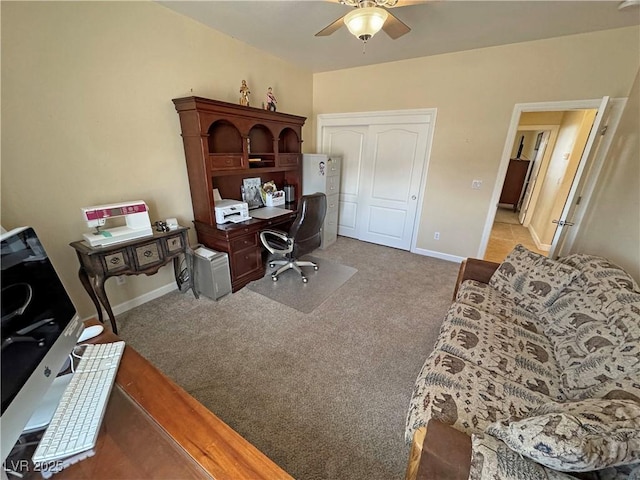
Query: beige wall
(612, 225)
(87, 116)
(528, 145)
(540, 118)
(475, 93)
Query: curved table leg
(98, 286)
(86, 283)
(176, 270)
(188, 255)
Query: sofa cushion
(625, 388)
(482, 297)
(571, 310)
(598, 340)
(532, 280)
(599, 271)
(595, 325)
(465, 396)
(603, 365)
(576, 436)
(501, 347)
(491, 458)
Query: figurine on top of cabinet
(271, 100)
(244, 94)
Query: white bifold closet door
(383, 173)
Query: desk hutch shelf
(225, 143)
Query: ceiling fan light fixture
(364, 23)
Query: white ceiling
(286, 28)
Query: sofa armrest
(439, 452)
(474, 269)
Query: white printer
(231, 211)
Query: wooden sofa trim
(474, 269)
(416, 453)
(439, 452)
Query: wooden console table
(142, 255)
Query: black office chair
(303, 237)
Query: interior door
(533, 176)
(391, 175)
(348, 142)
(559, 245)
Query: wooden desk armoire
(225, 143)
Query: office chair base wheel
(272, 265)
(315, 267)
(274, 278)
(304, 280)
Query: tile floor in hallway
(505, 236)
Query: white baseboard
(541, 246)
(136, 302)
(440, 255)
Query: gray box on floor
(212, 273)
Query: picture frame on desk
(251, 191)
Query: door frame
(409, 116)
(593, 172)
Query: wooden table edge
(215, 446)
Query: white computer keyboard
(76, 422)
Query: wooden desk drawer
(225, 162)
(174, 243)
(246, 261)
(246, 241)
(289, 159)
(148, 254)
(116, 261)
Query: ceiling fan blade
(407, 3)
(329, 29)
(394, 27)
(401, 3)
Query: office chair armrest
(278, 234)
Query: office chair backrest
(305, 229)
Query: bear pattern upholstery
(539, 331)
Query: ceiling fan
(368, 18)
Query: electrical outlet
(121, 280)
(476, 184)
(436, 236)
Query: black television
(40, 327)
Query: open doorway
(549, 149)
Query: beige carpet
(290, 290)
(324, 394)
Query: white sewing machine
(135, 213)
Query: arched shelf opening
(289, 141)
(224, 137)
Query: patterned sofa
(536, 372)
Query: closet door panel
(385, 163)
(348, 142)
(391, 183)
